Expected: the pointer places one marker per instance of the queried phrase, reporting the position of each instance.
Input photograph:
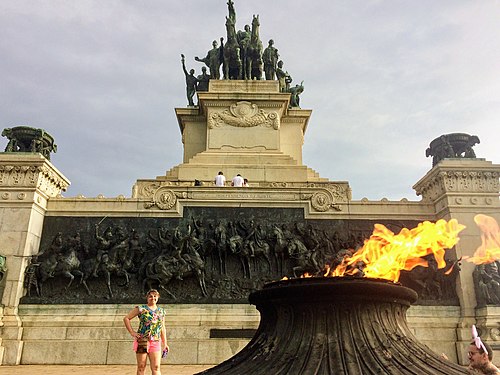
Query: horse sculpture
(231, 50)
(254, 64)
(67, 265)
(303, 257)
(240, 246)
(184, 262)
(163, 269)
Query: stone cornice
(33, 171)
(460, 178)
(322, 199)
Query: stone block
(183, 352)
(64, 352)
(13, 243)
(44, 333)
(121, 353)
(13, 350)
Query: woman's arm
(126, 320)
(164, 335)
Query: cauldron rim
(340, 289)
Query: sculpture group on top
(454, 145)
(242, 57)
(30, 140)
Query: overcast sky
(383, 78)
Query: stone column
(460, 189)
(27, 182)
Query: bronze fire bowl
(328, 326)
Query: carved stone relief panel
(211, 255)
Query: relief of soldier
(193, 258)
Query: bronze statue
(232, 57)
(454, 145)
(487, 283)
(270, 57)
(191, 82)
(296, 91)
(30, 275)
(284, 78)
(203, 80)
(253, 68)
(243, 37)
(28, 139)
(213, 60)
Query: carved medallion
(244, 115)
(321, 201)
(164, 198)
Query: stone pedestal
(242, 127)
(460, 189)
(27, 181)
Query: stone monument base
(197, 334)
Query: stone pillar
(27, 182)
(460, 189)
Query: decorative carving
(238, 250)
(165, 199)
(33, 176)
(458, 181)
(3, 267)
(244, 114)
(487, 283)
(148, 190)
(321, 201)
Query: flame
(384, 255)
(489, 251)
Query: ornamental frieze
(244, 115)
(460, 182)
(34, 176)
(322, 199)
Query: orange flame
(384, 255)
(489, 251)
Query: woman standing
(150, 338)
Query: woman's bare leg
(141, 362)
(155, 362)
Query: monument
(74, 265)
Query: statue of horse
(231, 53)
(67, 265)
(254, 64)
(184, 262)
(304, 258)
(163, 269)
(240, 246)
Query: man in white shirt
(220, 180)
(237, 181)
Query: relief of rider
(104, 243)
(255, 237)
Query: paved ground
(95, 370)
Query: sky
(383, 79)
